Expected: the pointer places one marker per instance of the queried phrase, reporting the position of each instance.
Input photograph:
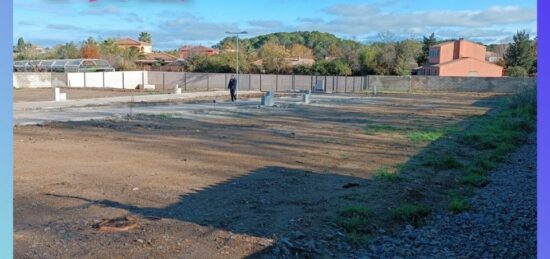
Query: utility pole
(238, 79)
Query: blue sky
(173, 23)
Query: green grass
(439, 163)
(356, 220)
(475, 179)
(384, 174)
(458, 205)
(414, 214)
(164, 116)
(424, 136)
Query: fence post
(163, 80)
(346, 84)
(84, 79)
(260, 81)
(276, 82)
(224, 81)
(207, 81)
(143, 80)
(293, 82)
(249, 82)
(122, 80)
(410, 84)
(185, 81)
(103, 79)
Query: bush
(458, 205)
(412, 213)
(516, 71)
(385, 175)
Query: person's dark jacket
(232, 84)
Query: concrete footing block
(268, 99)
(58, 96)
(305, 98)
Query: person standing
(232, 88)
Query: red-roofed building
(142, 47)
(459, 58)
(189, 51)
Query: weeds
(458, 205)
(356, 220)
(385, 175)
(373, 128)
(164, 116)
(412, 213)
(424, 136)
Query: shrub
(385, 175)
(458, 205)
(412, 213)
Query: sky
(173, 23)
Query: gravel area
(502, 223)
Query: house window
(434, 53)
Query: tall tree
(299, 50)
(427, 43)
(145, 37)
(89, 49)
(521, 52)
(21, 46)
(273, 57)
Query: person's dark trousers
(233, 96)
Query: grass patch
(164, 116)
(373, 128)
(356, 220)
(458, 205)
(475, 179)
(444, 162)
(424, 136)
(384, 174)
(413, 214)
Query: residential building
(155, 61)
(189, 51)
(142, 47)
(459, 58)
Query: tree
(299, 50)
(516, 71)
(21, 46)
(89, 49)
(407, 52)
(521, 52)
(274, 58)
(67, 51)
(145, 37)
(427, 43)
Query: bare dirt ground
(45, 94)
(222, 184)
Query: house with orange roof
(189, 51)
(142, 47)
(459, 58)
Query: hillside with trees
(272, 53)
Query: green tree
(145, 37)
(274, 58)
(21, 46)
(68, 51)
(521, 52)
(427, 43)
(516, 71)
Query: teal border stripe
(6, 129)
